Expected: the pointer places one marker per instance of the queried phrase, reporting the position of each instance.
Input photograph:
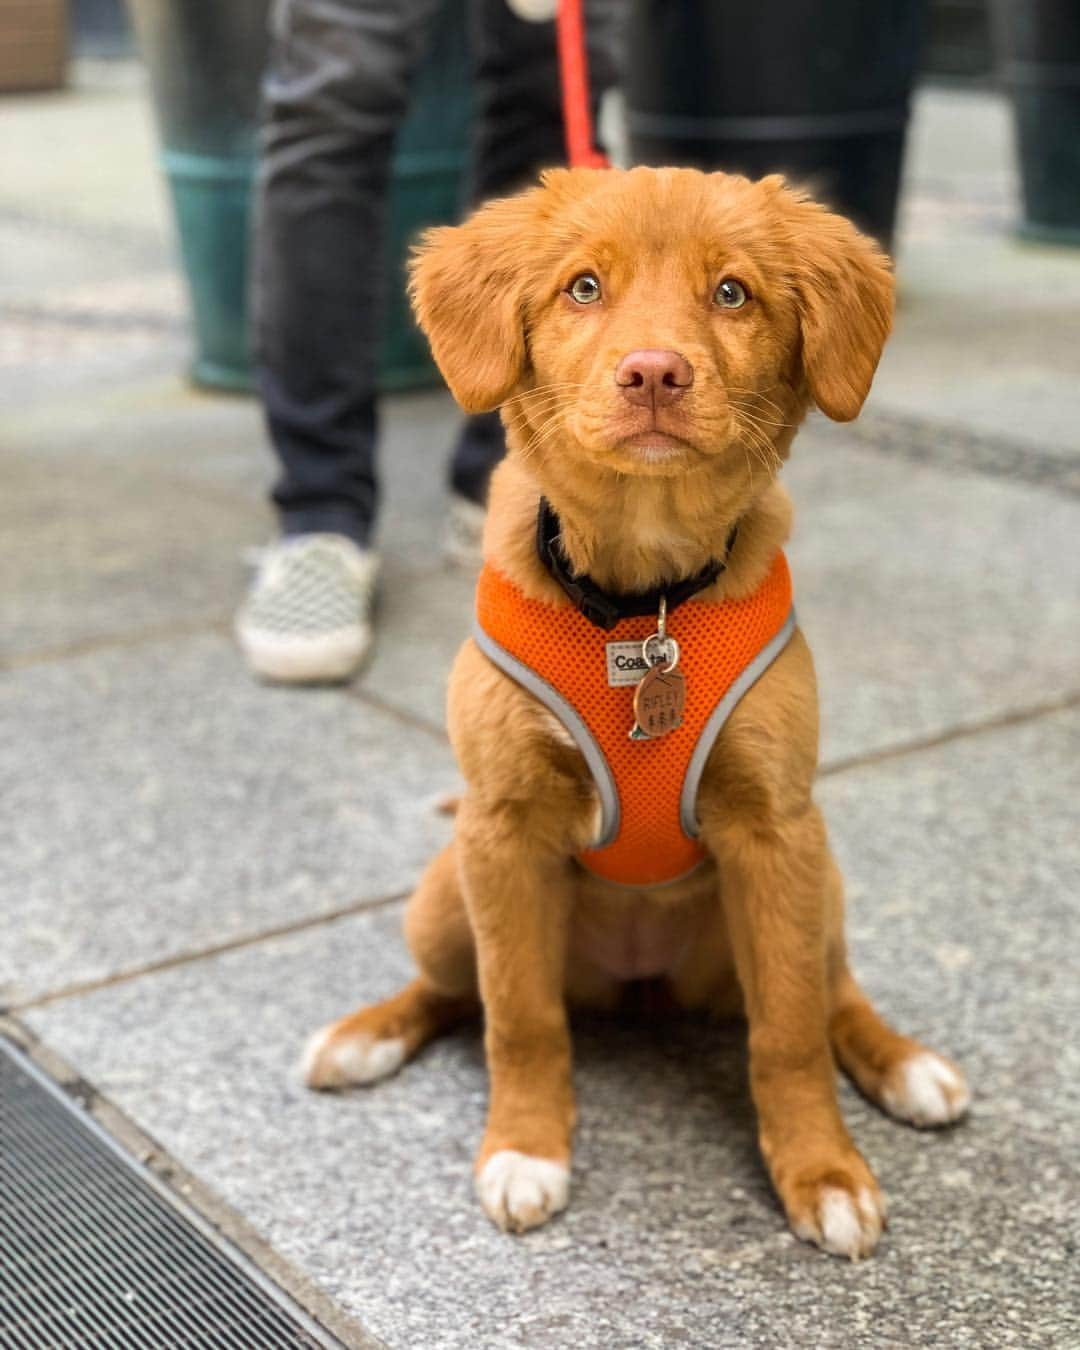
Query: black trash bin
(819, 92)
(1038, 48)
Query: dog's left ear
(845, 293)
(467, 285)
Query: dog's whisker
(552, 424)
(560, 387)
(536, 428)
(749, 466)
(534, 395)
(761, 447)
(747, 418)
(759, 397)
(764, 448)
(530, 409)
(754, 393)
(541, 438)
(548, 384)
(770, 464)
(757, 417)
(530, 425)
(764, 427)
(748, 396)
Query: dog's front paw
(925, 1090)
(519, 1191)
(338, 1057)
(840, 1208)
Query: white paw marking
(926, 1091)
(519, 1191)
(843, 1225)
(349, 1061)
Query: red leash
(574, 73)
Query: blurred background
(200, 869)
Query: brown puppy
(654, 338)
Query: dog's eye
(585, 288)
(731, 294)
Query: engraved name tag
(659, 703)
(625, 663)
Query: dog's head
(657, 318)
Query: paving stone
(972, 345)
(962, 868)
(963, 355)
(98, 543)
(88, 154)
(58, 263)
(155, 800)
(930, 599)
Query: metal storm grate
(94, 1252)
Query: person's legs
(336, 92)
(517, 131)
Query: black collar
(601, 607)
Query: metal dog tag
(659, 702)
(660, 697)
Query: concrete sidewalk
(199, 870)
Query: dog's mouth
(640, 441)
(655, 446)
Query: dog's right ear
(467, 284)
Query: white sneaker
(464, 531)
(307, 617)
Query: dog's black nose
(652, 378)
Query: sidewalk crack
(966, 731)
(80, 987)
(68, 651)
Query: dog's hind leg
(375, 1041)
(897, 1073)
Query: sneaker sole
(332, 659)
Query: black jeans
(336, 93)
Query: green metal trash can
(206, 60)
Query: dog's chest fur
(632, 937)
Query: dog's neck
(632, 535)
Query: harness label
(625, 663)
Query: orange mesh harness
(648, 788)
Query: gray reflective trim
(550, 697)
(720, 714)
